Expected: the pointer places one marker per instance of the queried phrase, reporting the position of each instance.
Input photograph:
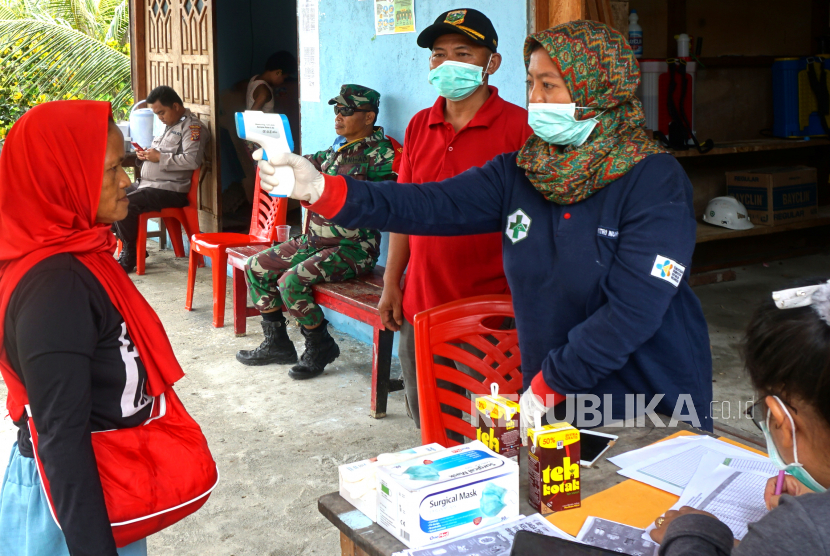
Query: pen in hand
(779, 485)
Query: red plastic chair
(437, 332)
(173, 220)
(267, 213)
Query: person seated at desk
(283, 275)
(166, 167)
(787, 354)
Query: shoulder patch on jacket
(668, 270)
(195, 132)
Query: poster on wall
(394, 16)
(309, 58)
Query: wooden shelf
(708, 232)
(716, 62)
(753, 145)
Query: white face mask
(795, 469)
(556, 123)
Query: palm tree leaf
(119, 20)
(68, 59)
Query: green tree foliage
(63, 49)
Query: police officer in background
(166, 167)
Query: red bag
(152, 475)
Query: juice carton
(553, 467)
(498, 424)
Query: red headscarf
(51, 173)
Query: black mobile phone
(534, 544)
(592, 445)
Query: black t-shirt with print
(82, 373)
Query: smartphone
(527, 543)
(137, 146)
(592, 445)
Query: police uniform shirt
(182, 149)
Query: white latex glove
(308, 181)
(529, 405)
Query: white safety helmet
(727, 212)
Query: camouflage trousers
(282, 276)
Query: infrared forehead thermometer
(273, 134)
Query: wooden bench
(357, 298)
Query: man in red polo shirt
(467, 126)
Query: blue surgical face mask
(795, 469)
(457, 80)
(492, 500)
(422, 473)
(556, 123)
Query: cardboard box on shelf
(446, 495)
(776, 196)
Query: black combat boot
(320, 350)
(127, 257)
(277, 347)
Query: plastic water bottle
(635, 34)
(683, 41)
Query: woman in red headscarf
(81, 351)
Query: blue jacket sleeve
(657, 220)
(470, 203)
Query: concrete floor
(278, 442)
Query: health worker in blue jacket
(598, 234)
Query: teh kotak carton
(446, 495)
(775, 196)
(498, 424)
(553, 468)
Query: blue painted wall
(396, 67)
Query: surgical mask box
(498, 425)
(775, 196)
(447, 495)
(553, 468)
(358, 482)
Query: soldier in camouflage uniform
(282, 276)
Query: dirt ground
(278, 442)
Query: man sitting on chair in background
(166, 167)
(281, 277)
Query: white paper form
(671, 471)
(496, 540)
(634, 457)
(735, 498)
(761, 466)
(309, 55)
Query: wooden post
(820, 20)
(676, 25)
(138, 45)
(550, 13)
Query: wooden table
(358, 538)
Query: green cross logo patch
(518, 224)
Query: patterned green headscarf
(600, 71)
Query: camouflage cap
(358, 96)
